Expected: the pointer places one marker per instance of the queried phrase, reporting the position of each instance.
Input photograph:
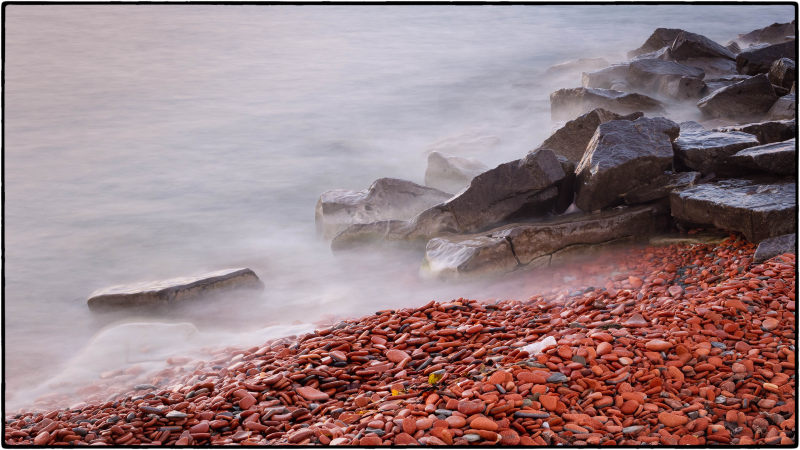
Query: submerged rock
(747, 99)
(667, 78)
(783, 108)
(536, 244)
(766, 132)
(753, 62)
(775, 246)
(759, 209)
(777, 158)
(660, 187)
(569, 103)
(691, 45)
(385, 199)
(783, 73)
(661, 37)
(570, 141)
(157, 293)
(622, 156)
(710, 151)
(451, 173)
(773, 34)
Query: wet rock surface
(783, 108)
(451, 173)
(775, 246)
(766, 132)
(667, 78)
(569, 103)
(661, 186)
(757, 208)
(783, 73)
(685, 345)
(385, 199)
(753, 62)
(661, 37)
(777, 158)
(747, 99)
(710, 151)
(622, 156)
(691, 45)
(772, 34)
(168, 292)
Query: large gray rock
(783, 108)
(576, 65)
(753, 62)
(773, 34)
(712, 84)
(747, 99)
(691, 45)
(759, 209)
(777, 158)
(569, 103)
(667, 78)
(167, 292)
(451, 173)
(537, 244)
(385, 199)
(713, 67)
(660, 187)
(622, 156)
(766, 132)
(710, 151)
(611, 77)
(382, 232)
(783, 73)
(570, 140)
(661, 37)
(775, 246)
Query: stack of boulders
(617, 170)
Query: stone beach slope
(688, 344)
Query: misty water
(148, 142)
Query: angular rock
(783, 73)
(607, 78)
(713, 67)
(712, 84)
(753, 62)
(691, 45)
(710, 151)
(660, 187)
(380, 232)
(733, 46)
(566, 186)
(757, 208)
(622, 156)
(775, 246)
(662, 53)
(667, 78)
(783, 108)
(385, 199)
(777, 158)
(575, 66)
(451, 173)
(570, 140)
(747, 99)
(661, 37)
(570, 103)
(536, 244)
(766, 132)
(172, 290)
(773, 34)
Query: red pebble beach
(687, 345)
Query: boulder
(783, 73)
(569, 103)
(621, 156)
(576, 65)
(660, 187)
(385, 199)
(747, 99)
(710, 151)
(570, 140)
(757, 208)
(783, 108)
(733, 46)
(691, 45)
(778, 245)
(451, 173)
(766, 132)
(661, 37)
(753, 62)
(167, 292)
(773, 34)
(777, 158)
(608, 78)
(667, 78)
(662, 53)
(537, 244)
(713, 67)
(712, 84)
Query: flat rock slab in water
(710, 151)
(164, 292)
(777, 158)
(766, 132)
(775, 246)
(757, 209)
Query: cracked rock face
(747, 99)
(537, 244)
(569, 103)
(776, 158)
(710, 151)
(661, 37)
(753, 62)
(759, 209)
(660, 187)
(766, 132)
(623, 156)
(385, 199)
(691, 45)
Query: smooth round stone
(41, 438)
(484, 423)
(770, 324)
(634, 429)
(177, 415)
(629, 407)
(370, 441)
(672, 420)
(314, 395)
(658, 345)
(469, 437)
(396, 356)
(470, 407)
(603, 348)
(443, 412)
(409, 425)
(424, 424)
(456, 421)
(557, 377)
(338, 355)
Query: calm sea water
(145, 142)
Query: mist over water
(148, 142)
